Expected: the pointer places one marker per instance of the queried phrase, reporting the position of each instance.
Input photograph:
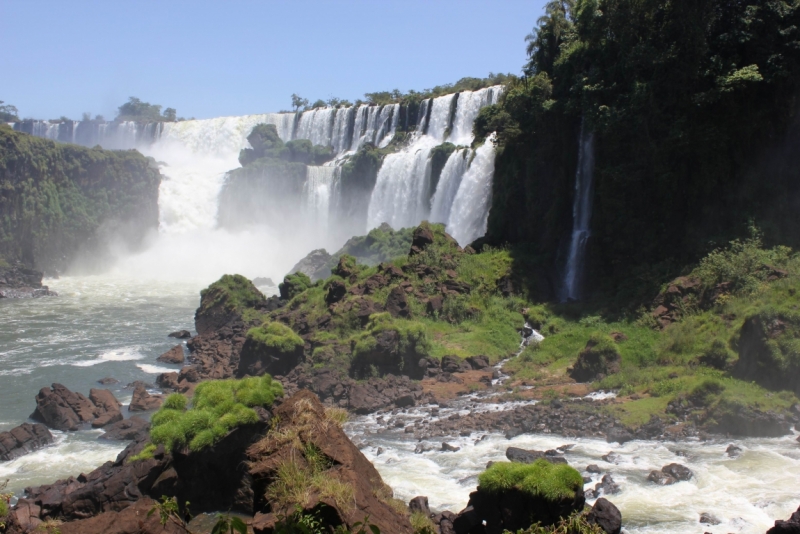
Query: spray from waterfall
(581, 217)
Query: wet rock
(516, 454)
(790, 526)
(173, 355)
(619, 435)
(143, 401)
(593, 468)
(677, 471)
(133, 429)
(108, 407)
(660, 478)
(419, 505)
(605, 515)
(18, 282)
(446, 447)
(22, 440)
(733, 451)
(611, 457)
(62, 409)
(167, 380)
(709, 519)
(107, 381)
(607, 486)
(423, 447)
(180, 334)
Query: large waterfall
(581, 217)
(196, 156)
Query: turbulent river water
(117, 326)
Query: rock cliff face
(19, 282)
(59, 200)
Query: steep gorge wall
(59, 200)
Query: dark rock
(62, 409)
(167, 380)
(133, 429)
(595, 362)
(446, 447)
(619, 435)
(180, 334)
(607, 486)
(419, 505)
(454, 364)
(611, 457)
(18, 282)
(733, 451)
(757, 361)
(143, 401)
(108, 407)
(173, 355)
(605, 515)
(790, 526)
(709, 519)
(661, 478)
(336, 292)
(397, 303)
(516, 454)
(593, 468)
(478, 362)
(435, 305)
(423, 447)
(677, 471)
(107, 381)
(23, 439)
(420, 239)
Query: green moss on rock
(539, 479)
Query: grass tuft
(539, 479)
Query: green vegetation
(218, 406)
(266, 143)
(234, 293)
(8, 113)
(539, 479)
(293, 285)
(691, 137)
(136, 110)
(379, 245)
(575, 524)
(276, 336)
(58, 199)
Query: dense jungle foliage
(693, 106)
(57, 200)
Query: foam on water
(155, 369)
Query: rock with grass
(270, 348)
(597, 360)
(512, 496)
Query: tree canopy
(136, 110)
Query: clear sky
(232, 57)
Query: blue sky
(209, 59)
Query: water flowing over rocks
(62, 409)
(23, 439)
(17, 282)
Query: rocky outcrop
(302, 419)
(271, 348)
(761, 357)
(17, 282)
(670, 474)
(173, 355)
(789, 526)
(133, 429)
(142, 401)
(606, 516)
(23, 439)
(314, 265)
(529, 456)
(62, 409)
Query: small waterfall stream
(581, 217)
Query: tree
(8, 112)
(318, 104)
(298, 102)
(86, 116)
(136, 110)
(170, 115)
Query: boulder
(167, 380)
(133, 429)
(479, 363)
(733, 451)
(660, 478)
(143, 401)
(434, 305)
(709, 519)
(23, 439)
(607, 486)
(446, 447)
(454, 364)
(421, 238)
(107, 381)
(524, 456)
(677, 471)
(397, 303)
(62, 409)
(789, 526)
(173, 355)
(597, 360)
(180, 334)
(605, 515)
(336, 292)
(419, 505)
(134, 519)
(593, 468)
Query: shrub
(539, 479)
(293, 285)
(218, 407)
(276, 336)
(707, 389)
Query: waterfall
(581, 218)
(470, 211)
(449, 182)
(317, 193)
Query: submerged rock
(180, 334)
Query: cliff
(58, 200)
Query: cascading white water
(317, 193)
(470, 211)
(469, 104)
(581, 216)
(449, 182)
